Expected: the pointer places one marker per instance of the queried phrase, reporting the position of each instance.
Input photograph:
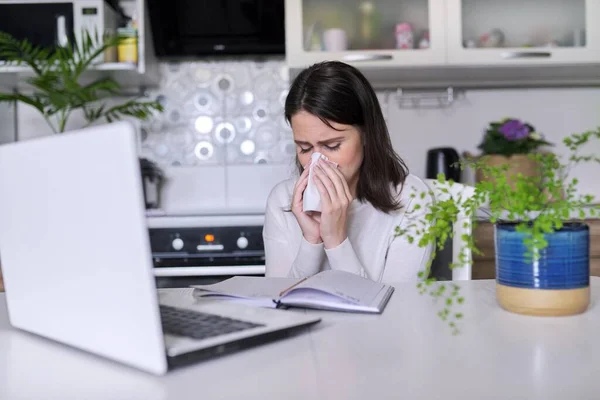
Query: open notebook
(327, 290)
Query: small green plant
(537, 204)
(511, 136)
(57, 88)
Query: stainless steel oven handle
(61, 31)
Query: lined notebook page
(348, 286)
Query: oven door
(169, 265)
(208, 251)
(43, 24)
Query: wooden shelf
(484, 266)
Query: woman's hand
(335, 201)
(309, 223)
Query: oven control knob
(177, 243)
(242, 242)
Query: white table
(406, 353)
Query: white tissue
(312, 200)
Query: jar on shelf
(110, 53)
(128, 45)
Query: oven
(212, 247)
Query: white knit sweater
(371, 250)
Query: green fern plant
(57, 85)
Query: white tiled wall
(214, 109)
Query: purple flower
(514, 130)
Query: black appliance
(51, 24)
(443, 160)
(152, 181)
(188, 28)
(204, 249)
(233, 247)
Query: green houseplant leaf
(57, 82)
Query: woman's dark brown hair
(338, 92)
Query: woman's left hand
(335, 201)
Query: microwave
(51, 23)
(191, 28)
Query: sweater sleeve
(344, 258)
(403, 260)
(281, 258)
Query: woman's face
(342, 145)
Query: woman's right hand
(309, 223)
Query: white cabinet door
(375, 33)
(523, 32)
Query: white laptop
(77, 263)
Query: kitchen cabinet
(144, 73)
(484, 266)
(378, 33)
(462, 43)
(523, 32)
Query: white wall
(554, 112)
(7, 123)
(32, 125)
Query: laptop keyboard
(198, 325)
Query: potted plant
(541, 238)
(507, 143)
(57, 85)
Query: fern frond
(22, 52)
(33, 101)
(89, 48)
(107, 85)
(133, 108)
(92, 114)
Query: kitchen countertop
(406, 352)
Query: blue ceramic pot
(555, 284)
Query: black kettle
(443, 160)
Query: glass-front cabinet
(367, 33)
(493, 32)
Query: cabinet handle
(367, 57)
(61, 31)
(526, 54)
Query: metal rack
(425, 99)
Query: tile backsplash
(220, 113)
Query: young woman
(333, 110)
